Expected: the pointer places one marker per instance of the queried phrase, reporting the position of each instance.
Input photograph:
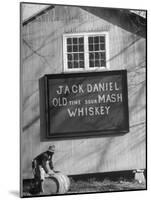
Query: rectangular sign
(85, 104)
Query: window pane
(81, 56)
(69, 40)
(102, 39)
(96, 40)
(69, 48)
(103, 63)
(100, 55)
(91, 63)
(96, 47)
(75, 64)
(81, 64)
(69, 65)
(97, 63)
(91, 56)
(75, 40)
(81, 48)
(69, 56)
(91, 47)
(81, 40)
(102, 46)
(91, 40)
(97, 55)
(103, 55)
(75, 48)
(75, 55)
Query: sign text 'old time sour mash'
(87, 103)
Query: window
(87, 51)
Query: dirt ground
(90, 186)
(104, 186)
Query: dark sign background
(86, 103)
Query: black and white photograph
(83, 72)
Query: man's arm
(51, 164)
(44, 160)
(44, 165)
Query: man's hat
(51, 148)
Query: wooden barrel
(56, 184)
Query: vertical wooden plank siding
(42, 53)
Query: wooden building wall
(42, 53)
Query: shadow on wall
(34, 120)
(123, 18)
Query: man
(42, 166)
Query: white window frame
(86, 52)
